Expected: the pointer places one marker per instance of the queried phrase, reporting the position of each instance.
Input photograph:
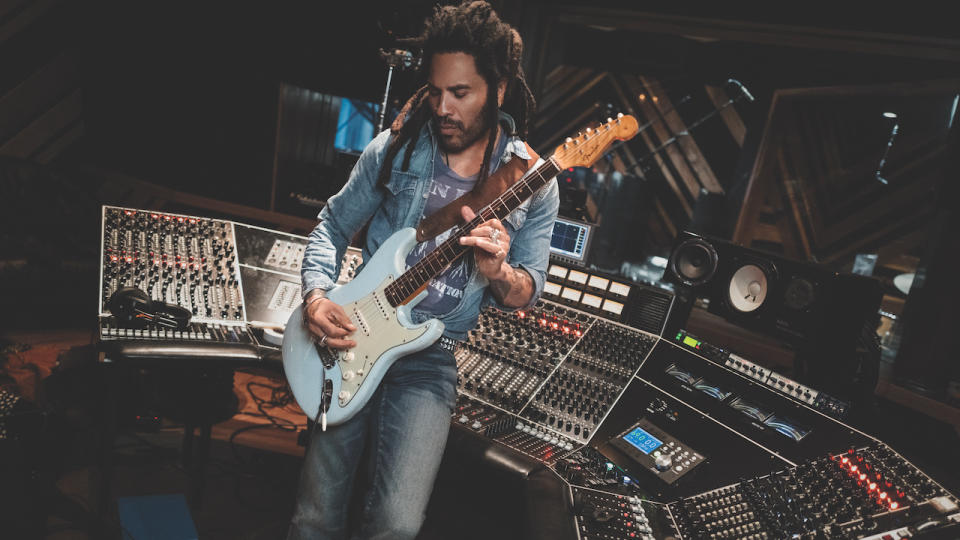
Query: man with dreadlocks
(446, 142)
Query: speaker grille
(694, 262)
(648, 311)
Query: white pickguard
(384, 334)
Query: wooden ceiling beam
(685, 140)
(758, 183)
(731, 118)
(850, 41)
(863, 242)
(660, 130)
(572, 96)
(632, 104)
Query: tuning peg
(589, 131)
(609, 120)
(619, 116)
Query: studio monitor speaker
(790, 300)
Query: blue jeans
(405, 426)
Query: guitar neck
(434, 263)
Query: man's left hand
(491, 243)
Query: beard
(466, 134)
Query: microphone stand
(395, 58)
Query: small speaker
(790, 300)
(694, 261)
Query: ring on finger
(323, 340)
(495, 236)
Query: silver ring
(323, 340)
(494, 236)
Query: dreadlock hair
(472, 28)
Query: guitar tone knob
(349, 374)
(343, 395)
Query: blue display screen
(642, 440)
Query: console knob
(663, 462)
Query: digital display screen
(691, 342)
(570, 239)
(642, 440)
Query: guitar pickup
(361, 321)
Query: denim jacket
(401, 205)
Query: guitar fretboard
(450, 250)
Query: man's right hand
(323, 317)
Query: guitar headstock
(589, 146)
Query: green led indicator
(691, 342)
(679, 335)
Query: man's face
(458, 96)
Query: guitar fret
(501, 211)
(434, 260)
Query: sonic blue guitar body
(384, 334)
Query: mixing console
(498, 425)
(581, 391)
(238, 281)
(181, 260)
(855, 494)
(602, 515)
(509, 355)
(559, 368)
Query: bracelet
(319, 296)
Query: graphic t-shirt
(444, 291)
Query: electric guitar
(335, 384)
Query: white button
(678, 468)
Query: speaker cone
(694, 262)
(800, 294)
(748, 288)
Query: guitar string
(483, 215)
(402, 284)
